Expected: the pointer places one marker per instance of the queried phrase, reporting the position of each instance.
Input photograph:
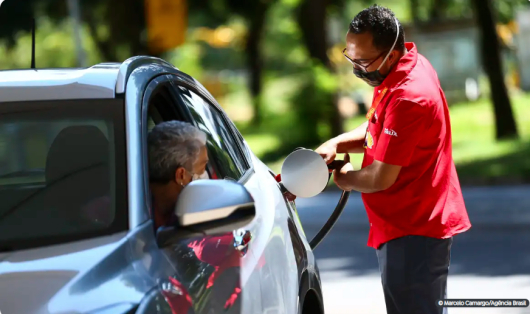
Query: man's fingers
(328, 158)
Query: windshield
(62, 171)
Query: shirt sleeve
(404, 125)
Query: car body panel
(278, 274)
(55, 84)
(60, 279)
(274, 270)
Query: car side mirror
(209, 207)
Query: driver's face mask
(195, 177)
(202, 176)
(373, 78)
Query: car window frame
(224, 152)
(198, 89)
(151, 88)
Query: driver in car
(177, 156)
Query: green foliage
(122, 20)
(476, 152)
(506, 9)
(188, 59)
(312, 104)
(15, 17)
(54, 47)
(400, 7)
(282, 43)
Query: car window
(229, 161)
(241, 141)
(62, 172)
(23, 148)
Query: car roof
(98, 81)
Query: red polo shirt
(411, 128)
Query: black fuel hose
(333, 218)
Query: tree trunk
(438, 10)
(255, 59)
(312, 21)
(414, 11)
(492, 62)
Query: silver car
(77, 234)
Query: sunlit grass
(473, 129)
(476, 152)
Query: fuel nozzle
(335, 165)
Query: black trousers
(414, 273)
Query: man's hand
(340, 176)
(328, 151)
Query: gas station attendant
(408, 179)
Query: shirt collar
(402, 69)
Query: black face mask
(374, 78)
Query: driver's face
(184, 176)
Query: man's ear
(393, 57)
(180, 176)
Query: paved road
(492, 260)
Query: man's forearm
(351, 142)
(374, 178)
(364, 181)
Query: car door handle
(242, 239)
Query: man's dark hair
(381, 23)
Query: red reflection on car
(177, 297)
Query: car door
(173, 269)
(269, 257)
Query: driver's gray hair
(171, 145)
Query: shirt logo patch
(390, 132)
(369, 140)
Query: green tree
(486, 14)
(492, 63)
(254, 13)
(117, 26)
(312, 18)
